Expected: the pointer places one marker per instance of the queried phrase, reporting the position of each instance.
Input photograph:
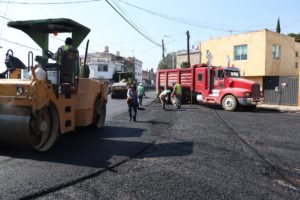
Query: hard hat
(141, 84)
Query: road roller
(35, 109)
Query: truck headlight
(247, 94)
(20, 90)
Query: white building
(104, 64)
(138, 70)
(104, 70)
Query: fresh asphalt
(196, 152)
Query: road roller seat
(13, 63)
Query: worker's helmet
(141, 84)
(173, 83)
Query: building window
(240, 52)
(200, 77)
(297, 53)
(102, 68)
(276, 52)
(296, 65)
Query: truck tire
(229, 103)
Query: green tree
(278, 29)
(184, 65)
(167, 63)
(296, 36)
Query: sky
(156, 20)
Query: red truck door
(219, 79)
(200, 79)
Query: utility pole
(188, 47)
(163, 49)
(188, 57)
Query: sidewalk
(280, 107)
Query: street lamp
(173, 55)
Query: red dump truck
(211, 85)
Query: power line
(149, 39)
(4, 17)
(50, 3)
(204, 25)
(125, 14)
(22, 45)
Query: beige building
(269, 58)
(257, 54)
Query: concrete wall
(182, 57)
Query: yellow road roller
(35, 110)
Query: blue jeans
(132, 106)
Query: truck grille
(256, 90)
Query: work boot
(130, 119)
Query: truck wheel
(99, 114)
(229, 103)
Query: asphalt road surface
(196, 152)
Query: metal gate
(280, 90)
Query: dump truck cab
(35, 111)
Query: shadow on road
(153, 122)
(101, 148)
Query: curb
(294, 109)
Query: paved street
(117, 106)
(197, 152)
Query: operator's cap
(68, 41)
